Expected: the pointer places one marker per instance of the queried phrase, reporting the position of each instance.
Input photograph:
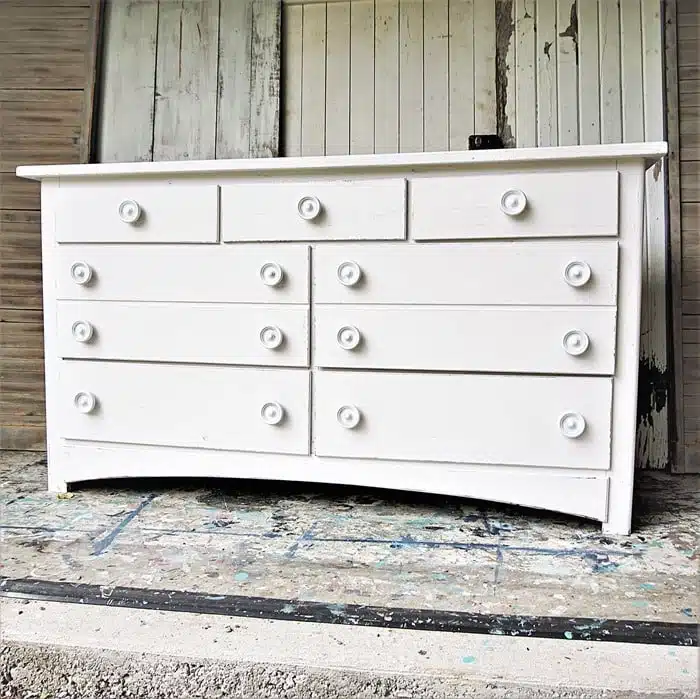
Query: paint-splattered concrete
(344, 545)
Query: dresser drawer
(490, 419)
(552, 272)
(137, 212)
(498, 339)
(250, 274)
(267, 335)
(314, 210)
(211, 407)
(514, 205)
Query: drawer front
(456, 418)
(254, 274)
(211, 407)
(340, 210)
(487, 205)
(520, 273)
(499, 339)
(266, 335)
(130, 212)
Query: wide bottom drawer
(515, 420)
(215, 407)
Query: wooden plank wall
(47, 67)
(413, 75)
(688, 86)
(190, 80)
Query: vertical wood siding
(190, 79)
(688, 131)
(46, 86)
(538, 72)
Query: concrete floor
(333, 549)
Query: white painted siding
(537, 72)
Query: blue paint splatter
(289, 609)
(241, 577)
(439, 576)
(469, 659)
(639, 603)
(687, 611)
(102, 545)
(647, 586)
(568, 634)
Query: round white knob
(129, 211)
(271, 337)
(85, 402)
(577, 273)
(309, 208)
(572, 425)
(82, 331)
(576, 342)
(271, 274)
(348, 337)
(513, 202)
(349, 416)
(349, 273)
(81, 272)
(272, 413)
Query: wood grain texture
(386, 76)
(127, 90)
(292, 72)
(265, 78)
(362, 77)
(485, 67)
(233, 109)
(525, 74)
(313, 90)
(610, 78)
(436, 71)
(588, 72)
(461, 72)
(631, 68)
(184, 124)
(567, 73)
(410, 76)
(338, 79)
(547, 95)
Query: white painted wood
(386, 76)
(490, 273)
(153, 404)
(410, 76)
(186, 80)
(233, 120)
(265, 86)
(435, 417)
(498, 278)
(194, 333)
(338, 79)
(360, 210)
(547, 53)
(457, 338)
(198, 273)
(610, 76)
(461, 72)
(484, 67)
(313, 84)
(292, 72)
(362, 76)
(170, 213)
(128, 81)
(417, 162)
(525, 74)
(462, 207)
(631, 71)
(436, 71)
(588, 71)
(581, 493)
(567, 73)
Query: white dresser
(458, 323)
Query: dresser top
(650, 152)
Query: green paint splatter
(241, 577)
(647, 586)
(684, 671)
(468, 659)
(639, 603)
(568, 634)
(439, 576)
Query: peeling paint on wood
(504, 39)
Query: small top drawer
(514, 205)
(312, 210)
(536, 272)
(137, 212)
(206, 273)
